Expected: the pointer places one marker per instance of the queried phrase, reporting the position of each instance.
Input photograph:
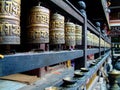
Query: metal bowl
(52, 88)
(84, 69)
(94, 61)
(78, 74)
(92, 64)
(69, 80)
(114, 73)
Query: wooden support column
(81, 62)
(98, 27)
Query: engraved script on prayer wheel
(57, 35)
(70, 34)
(10, 21)
(78, 34)
(38, 25)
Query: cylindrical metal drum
(57, 34)
(38, 25)
(70, 34)
(10, 21)
(78, 34)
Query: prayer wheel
(57, 35)
(38, 25)
(10, 21)
(70, 34)
(78, 34)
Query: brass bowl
(93, 64)
(52, 88)
(94, 61)
(114, 73)
(78, 74)
(84, 69)
(69, 80)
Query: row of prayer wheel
(54, 30)
(40, 28)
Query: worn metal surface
(70, 34)
(28, 61)
(10, 21)
(38, 25)
(78, 34)
(57, 33)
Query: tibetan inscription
(38, 25)
(10, 21)
(9, 8)
(57, 35)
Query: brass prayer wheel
(57, 35)
(38, 25)
(70, 34)
(78, 34)
(10, 21)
